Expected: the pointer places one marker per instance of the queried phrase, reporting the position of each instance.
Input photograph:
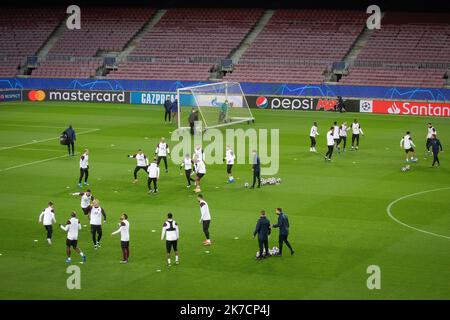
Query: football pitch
(338, 211)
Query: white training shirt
(96, 216)
(141, 160)
(187, 163)
(170, 230)
(343, 130)
(430, 133)
(124, 229)
(153, 170)
(356, 128)
(313, 132)
(200, 167)
(162, 149)
(336, 132)
(47, 217)
(229, 157)
(198, 153)
(204, 211)
(86, 200)
(407, 142)
(330, 138)
(72, 226)
(84, 161)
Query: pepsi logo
(261, 102)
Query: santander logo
(414, 108)
(394, 109)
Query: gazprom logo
(262, 102)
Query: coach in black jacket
(168, 109)
(283, 224)
(71, 137)
(256, 168)
(263, 231)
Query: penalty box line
(31, 163)
(43, 140)
(43, 160)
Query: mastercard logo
(36, 95)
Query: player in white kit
(84, 168)
(187, 164)
(229, 159)
(162, 151)
(86, 200)
(172, 233)
(124, 229)
(72, 227)
(47, 218)
(141, 163)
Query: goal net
(218, 104)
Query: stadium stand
(295, 46)
(21, 34)
(183, 38)
(409, 50)
(103, 30)
(299, 45)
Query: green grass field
(337, 211)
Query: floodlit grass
(337, 211)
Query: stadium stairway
(131, 45)
(353, 52)
(46, 46)
(251, 36)
(359, 44)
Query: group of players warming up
(336, 135)
(433, 146)
(97, 217)
(336, 139)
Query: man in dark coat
(168, 109)
(71, 137)
(256, 168)
(283, 224)
(263, 231)
(436, 146)
(193, 117)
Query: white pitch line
(34, 162)
(37, 149)
(44, 140)
(388, 209)
(33, 126)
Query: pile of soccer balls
(272, 252)
(271, 181)
(406, 168)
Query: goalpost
(218, 104)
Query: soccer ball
(230, 179)
(274, 251)
(406, 168)
(246, 184)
